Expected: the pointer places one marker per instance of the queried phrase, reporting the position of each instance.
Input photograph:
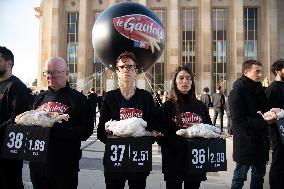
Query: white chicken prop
(200, 130)
(131, 127)
(40, 118)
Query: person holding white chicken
(181, 111)
(127, 101)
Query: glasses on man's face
(128, 67)
(52, 73)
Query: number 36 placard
(26, 143)
(207, 155)
(128, 154)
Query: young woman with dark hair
(180, 112)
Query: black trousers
(44, 178)
(220, 112)
(119, 184)
(276, 173)
(11, 174)
(187, 184)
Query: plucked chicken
(131, 127)
(40, 118)
(200, 130)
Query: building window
(158, 70)
(72, 46)
(219, 42)
(250, 33)
(188, 37)
(98, 67)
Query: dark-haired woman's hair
(177, 97)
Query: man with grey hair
(62, 164)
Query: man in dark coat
(250, 141)
(275, 99)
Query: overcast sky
(19, 33)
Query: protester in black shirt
(62, 165)
(14, 98)
(179, 112)
(275, 99)
(125, 102)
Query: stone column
(173, 42)
(280, 28)
(235, 42)
(203, 46)
(273, 35)
(51, 29)
(110, 79)
(85, 64)
(264, 37)
(56, 27)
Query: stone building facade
(213, 37)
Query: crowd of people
(251, 132)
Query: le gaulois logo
(143, 30)
(54, 107)
(126, 113)
(188, 119)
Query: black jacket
(14, 99)
(115, 107)
(275, 99)
(65, 138)
(174, 147)
(250, 141)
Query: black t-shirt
(116, 107)
(66, 137)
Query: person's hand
(268, 116)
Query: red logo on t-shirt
(188, 119)
(54, 107)
(126, 113)
(1, 96)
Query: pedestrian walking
(218, 100)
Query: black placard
(128, 154)
(207, 155)
(26, 143)
(280, 124)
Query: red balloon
(130, 27)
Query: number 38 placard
(26, 143)
(207, 155)
(128, 154)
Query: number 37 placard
(26, 143)
(128, 154)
